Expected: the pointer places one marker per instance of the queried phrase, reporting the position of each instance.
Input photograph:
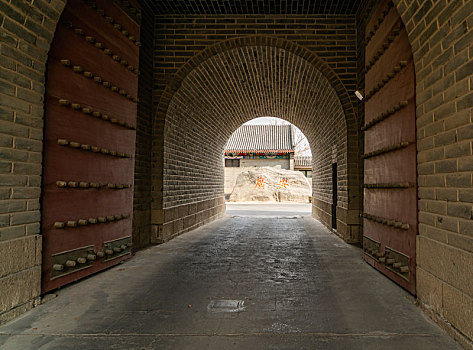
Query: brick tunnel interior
(182, 76)
(243, 80)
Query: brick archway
(259, 40)
(217, 58)
(438, 33)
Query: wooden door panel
(390, 175)
(397, 51)
(89, 56)
(86, 18)
(400, 88)
(390, 132)
(386, 10)
(380, 202)
(120, 17)
(96, 96)
(71, 127)
(390, 169)
(89, 145)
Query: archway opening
(268, 169)
(233, 86)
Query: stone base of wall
(180, 219)
(439, 318)
(141, 229)
(322, 211)
(9, 315)
(348, 221)
(443, 280)
(20, 275)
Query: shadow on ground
(298, 287)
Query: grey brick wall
(440, 32)
(231, 80)
(26, 31)
(179, 38)
(332, 38)
(441, 36)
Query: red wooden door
(91, 96)
(390, 185)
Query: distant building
(258, 146)
(303, 164)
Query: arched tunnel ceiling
(233, 87)
(241, 7)
(241, 84)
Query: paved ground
(269, 209)
(294, 286)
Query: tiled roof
(261, 138)
(303, 161)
